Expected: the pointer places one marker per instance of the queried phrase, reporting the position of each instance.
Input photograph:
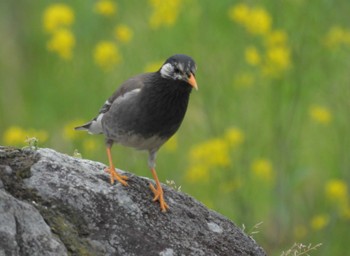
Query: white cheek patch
(167, 70)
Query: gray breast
(140, 142)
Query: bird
(144, 112)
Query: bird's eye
(176, 70)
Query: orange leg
(113, 174)
(158, 192)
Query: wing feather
(134, 84)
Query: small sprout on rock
(76, 154)
(254, 230)
(172, 184)
(32, 143)
(243, 227)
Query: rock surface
(55, 204)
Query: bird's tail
(93, 127)
(84, 127)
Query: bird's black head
(180, 67)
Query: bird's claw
(115, 176)
(159, 196)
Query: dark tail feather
(93, 127)
(84, 127)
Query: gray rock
(61, 205)
(23, 230)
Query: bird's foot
(159, 196)
(116, 176)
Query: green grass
(41, 91)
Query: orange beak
(192, 81)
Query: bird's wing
(129, 87)
(133, 84)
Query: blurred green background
(266, 138)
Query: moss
(68, 234)
(23, 173)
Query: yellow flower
(259, 21)
(57, 16)
(213, 153)
(62, 42)
(279, 57)
(256, 21)
(277, 61)
(14, 135)
(106, 7)
(320, 221)
(171, 144)
(164, 13)
(68, 130)
(234, 136)
(320, 114)
(262, 169)
(276, 38)
(239, 13)
(252, 56)
(153, 66)
(123, 33)
(337, 191)
(197, 173)
(336, 37)
(106, 55)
